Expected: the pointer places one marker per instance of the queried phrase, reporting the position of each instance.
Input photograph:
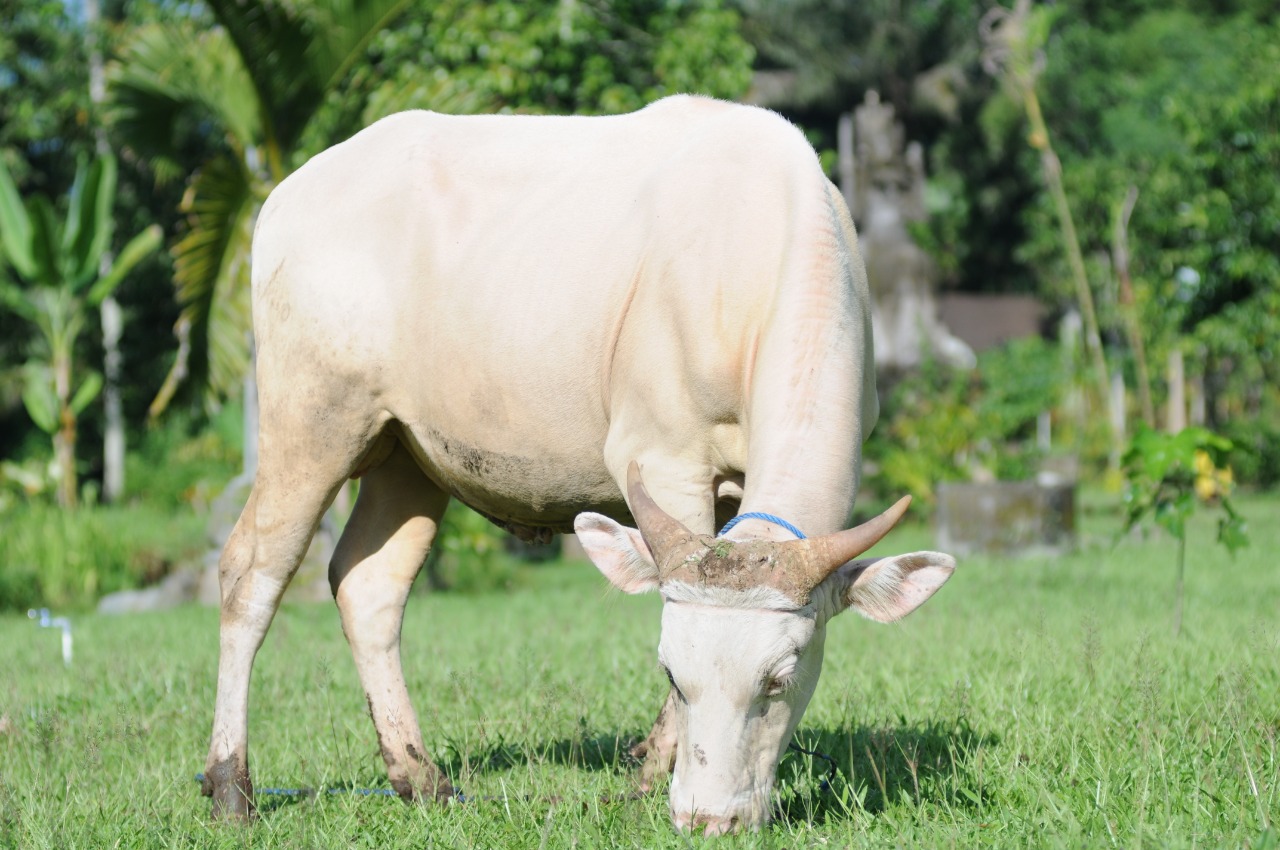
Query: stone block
(1006, 518)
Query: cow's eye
(778, 682)
(774, 685)
(672, 680)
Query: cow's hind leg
(381, 551)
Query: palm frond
(135, 251)
(211, 273)
(295, 53)
(342, 30)
(421, 88)
(168, 73)
(46, 232)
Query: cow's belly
(520, 478)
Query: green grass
(1032, 703)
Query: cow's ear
(618, 552)
(888, 589)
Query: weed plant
(54, 558)
(1032, 703)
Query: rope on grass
(825, 787)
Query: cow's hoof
(429, 789)
(229, 785)
(234, 806)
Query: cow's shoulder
(732, 124)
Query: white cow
(514, 311)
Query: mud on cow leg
(413, 775)
(228, 783)
(658, 751)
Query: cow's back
(473, 276)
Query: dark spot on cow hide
(700, 754)
(478, 464)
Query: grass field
(1031, 703)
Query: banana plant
(57, 262)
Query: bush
(1255, 453)
(61, 559)
(940, 424)
(469, 555)
(183, 461)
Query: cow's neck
(812, 397)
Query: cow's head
(743, 626)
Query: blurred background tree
(213, 103)
(61, 266)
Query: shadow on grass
(606, 752)
(867, 767)
(876, 766)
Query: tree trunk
(113, 447)
(113, 440)
(1052, 168)
(1129, 309)
(1176, 415)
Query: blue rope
(311, 792)
(767, 518)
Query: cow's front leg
(381, 551)
(658, 751)
(256, 565)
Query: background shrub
(67, 559)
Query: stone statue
(882, 178)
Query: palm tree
(259, 79)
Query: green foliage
(844, 47)
(259, 76)
(470, 556)
(183, 462)
(940, 424)
(60, 262)
(1255, 450)
(1167, 474)
(28, 480)
(68, 559)
(556, 57)
(44, 91)
(1184, 106)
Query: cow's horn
(663, 533)
(824, 555)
